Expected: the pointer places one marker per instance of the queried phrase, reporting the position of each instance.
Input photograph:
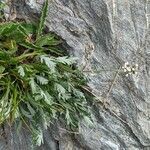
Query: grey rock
(103, 34)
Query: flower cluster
(130, 69)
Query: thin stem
(69, 131)
(115, 78)
(26, 124)
(99, 71)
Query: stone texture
(103, 34)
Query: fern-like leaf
(41, 80)
(37, 136)
(21, 71)
(46, 97)
(66, 60)
(50, 64)
(33, 85)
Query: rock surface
(103, 34)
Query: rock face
(103, 34)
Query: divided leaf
(42, 80)
(66, 60)
(38, 82)
(48, 61)
(21, 71)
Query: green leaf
(88, 121)
(6, 29)
(46, 96)
(23, 30)
(13, 31)
(37, 136)
(33, 85)
(29, 46)
(66, 60)
(60, 88)
(47, 40)
(78, 93)
(21, 71)
(29, 27)
(41, 80)
(46, 120)
(62, 93)
(68, 118)
(42, 19)
(50, 64)
(5, 97)
(32, 111)
(16, 113)
(25, 113)
(2, 69)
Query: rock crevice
(103, 34)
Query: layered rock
(103, 34)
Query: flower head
(130, 69)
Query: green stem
(26, 55)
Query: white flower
(125, 65)
(130, 69)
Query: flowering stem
(99, 71)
